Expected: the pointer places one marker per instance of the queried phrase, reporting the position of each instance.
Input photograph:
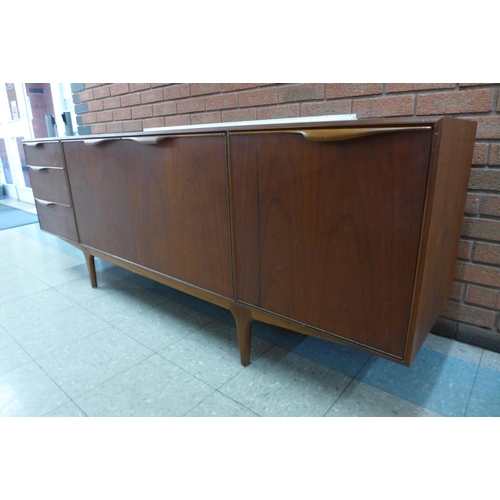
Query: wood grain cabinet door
(159, 202)
(327, 233)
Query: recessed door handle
(344, 134)
(155, 139)
(95, 142)
(45, 203)
(34, 167)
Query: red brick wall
(472, 313)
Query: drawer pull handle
(33, 144)
(344, 134)
(94, 142)
(45, 203)
(148, 140)
(34, 167)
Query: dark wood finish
(162, 206)
(347, 231)
(335, 229)
(445, 204)
(58, 220)
(50, 184)
(47, 154)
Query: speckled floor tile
(163, 325)
(218, 405)
(362, 400)
(211, 353)
(81, 291)
(485, 397)
(21, 288)
(51, 332)
(440, 383)
(491, 360)
(58, 277)
(28, 392)
(153, 388)
(12, 354)
(91, 361)
(67, 410)
(12, 272)
(118, 305)
(335, 356)
(283, 384)
(23, 311)
(453, 348)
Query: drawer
(57, 219)
(49, 183)
(44, 154)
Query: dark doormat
(12, 217)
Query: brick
(95, 105)
(204, 88)
(481, 228)
(231, 87)
(472, 204)
(472, 84)
(171, 121)
(301, 92)
(479, 155)
(222, 101)
(153, 122)
(99, 128)
(258, 97)
(101, 92)
(119, 88)
(487, 253)
(481, 296)
(92, 85)
(490, 205)
(111, 103)
(176, 91)
(154, 95)
(495, 154)
(339, 90)
(465, 249)
(210, 117)
(114, 128)
(104, 116)
(488, 127)
(157, 84)
(476, 273)
(85, 130)
(164, 108)
(86, 95)
(142, 112)
(191, 105)
(89, 118)
(81, 108)
(122, 114)
(326, 108)
(286, 111)
(488, 180)
(77, 87)
(384, 106)
(469, 314)
(238, 115)
(136, 87)
(466, 101)
(456, 290)
(132, 126)
(408, 87)
(479, 337)
(130, 100)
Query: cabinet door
(162, 205)
(327, 233)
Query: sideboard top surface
(260, 125)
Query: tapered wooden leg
(89, 259)
(244, 320)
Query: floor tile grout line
(473, 385)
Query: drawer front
(49, 183)
(57, 219)
(44, 154)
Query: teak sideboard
(344, 230)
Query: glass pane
(22, 157)
(4, 163)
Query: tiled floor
(133, 347)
